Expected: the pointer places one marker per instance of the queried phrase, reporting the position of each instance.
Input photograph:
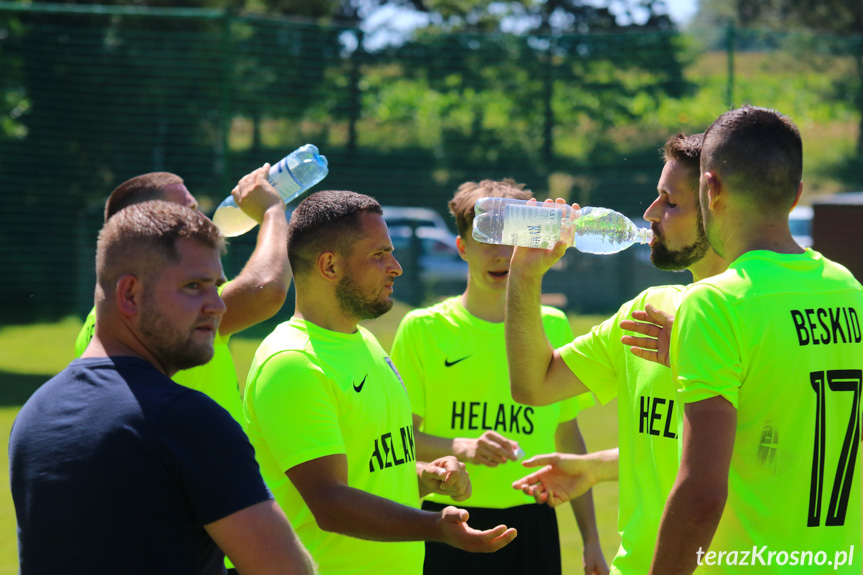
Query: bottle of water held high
(293, 175)
(517, 223)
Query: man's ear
(797, 198)
(460, 246)
(128, 295)
(329, 266)
(714, 189)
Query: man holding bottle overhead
(329, 417)
(453, 363)
(771, 392)
(255, 295)
(598, 362)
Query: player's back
(98, 475)
(794, 344)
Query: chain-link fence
(90, 96)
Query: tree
(839, 21)
(494, 90)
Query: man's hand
(446, 476)
(456, 532)
(593, 560)
(534, 262)
(255, 195)
(490, 449)
(656, 325)
(563, 478)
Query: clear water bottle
(517, 223)
(293, 175)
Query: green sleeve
(705, 354)
(595, 356)
(295, 436)
(86, 333)
(559, 333)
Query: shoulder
(836, 271)
(552, 313)
(433, 313)
(722, 286)
(440, 316)
(665, 297)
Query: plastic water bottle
(517, 223)
(291, 176)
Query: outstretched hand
(456, 532)
(446, 476)
(563, 478)
(655, 325)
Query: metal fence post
(547, 95)
(227, 67)
(729, 46)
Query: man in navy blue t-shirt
(117, 469)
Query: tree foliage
(841, 19)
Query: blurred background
(407, 99)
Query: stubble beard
(353, 302)
(677, 260)
(174, 352)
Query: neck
(121, 341)
(487, 306)
(708, 266)
(314, 307)
(746, 235)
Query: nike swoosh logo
(362, 383)
(448, 363)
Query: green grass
(30, 355)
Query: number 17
(836, 380)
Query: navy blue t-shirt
(116, 469)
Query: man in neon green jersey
(771, 391)
(252, 297)
(453, 362)
(600, 363)
(327, 413)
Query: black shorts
(536, 550)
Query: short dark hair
(142, 238)
(757, 152)
(461, 206)
(686, 151)
(327, 220)
(139, 189)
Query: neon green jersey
(455, 370)
(784, 348)
(217, 378)
(312, 392)
(647, 422)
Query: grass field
(30, 355)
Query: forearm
(259, 291)
(359, 514)
(268, 266)
(585, 517)
(431, 447)
(688, 525)
(568, 439)
(605, 465)
(528, 351)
